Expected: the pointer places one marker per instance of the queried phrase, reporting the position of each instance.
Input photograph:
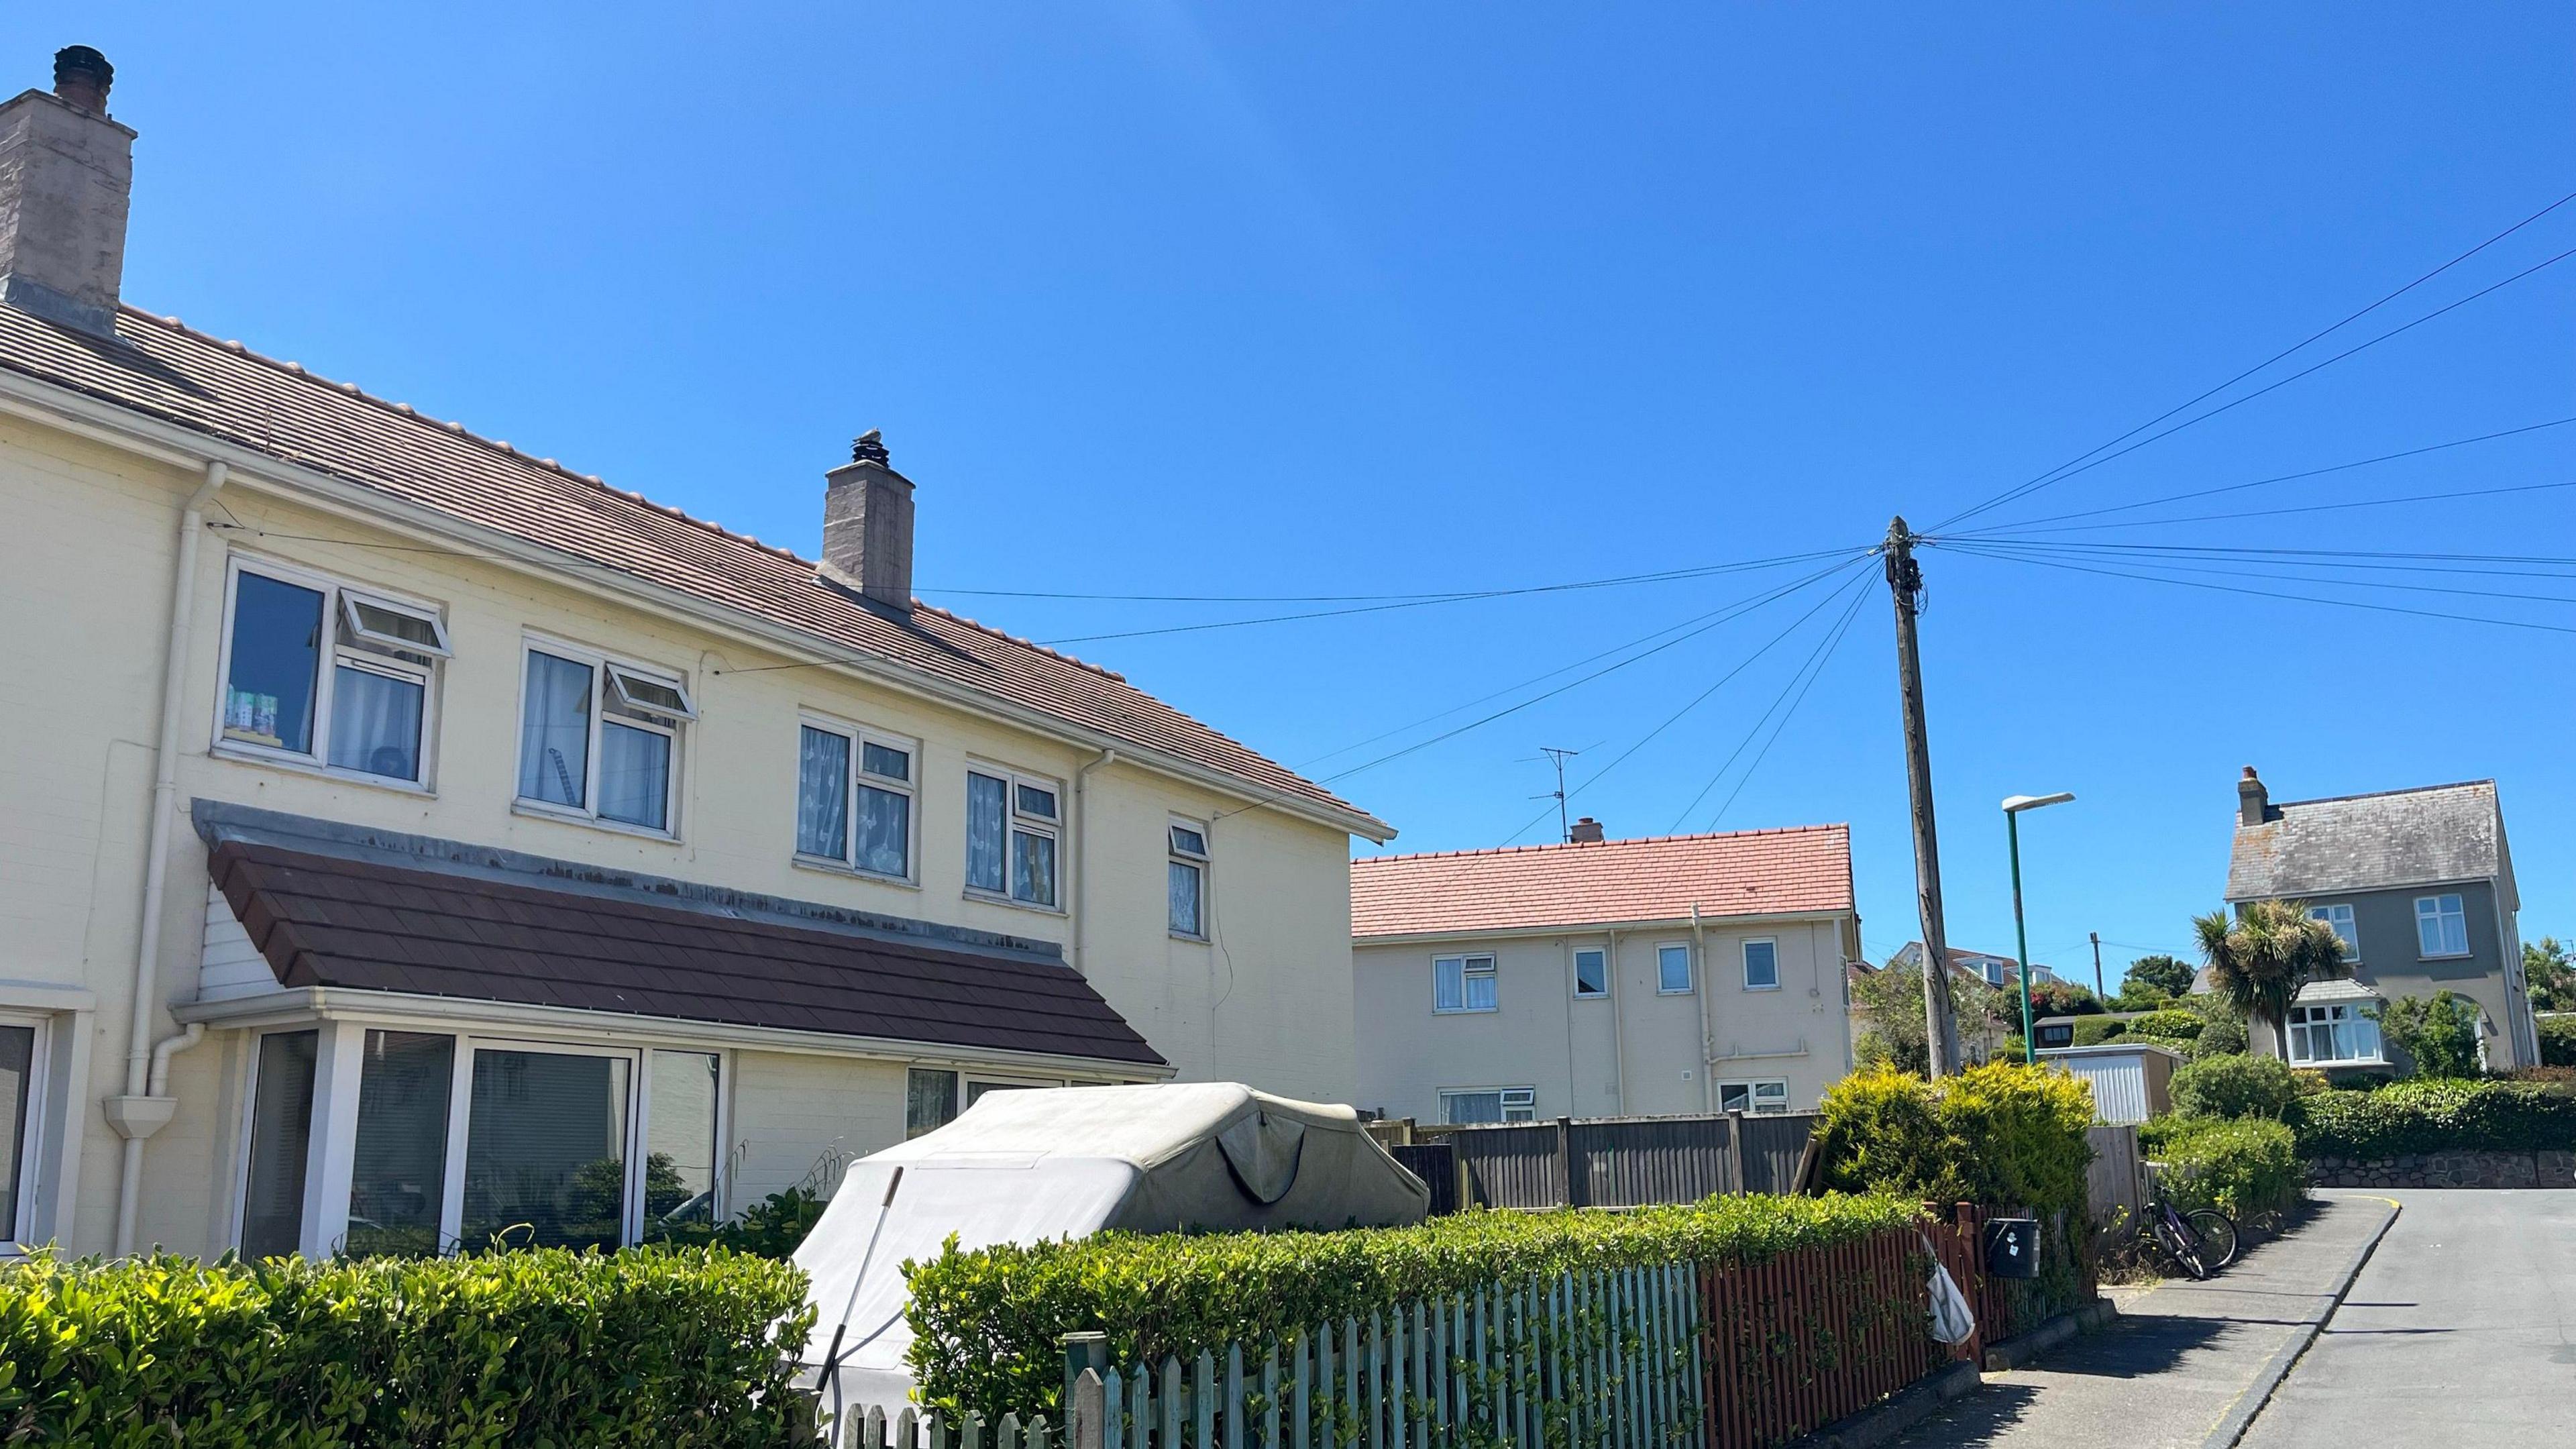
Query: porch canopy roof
(361, 919)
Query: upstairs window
(854, 798)
(2339, 920)
(1591, 972)
(2441, 926)
(1463, 983)
(1187, 878)
(598, 738)
(325, 674)
(1673, 969)
(1761, 965)
(1011, 825)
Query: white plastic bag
(1952, 1322)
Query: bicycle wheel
(2217, 1234)
(2175, 1238)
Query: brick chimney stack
(66, 182)
(1586, 831)
(2253, 801)
(867, 525)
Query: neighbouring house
(407, 836)
(1983, 1039)
(1605, 978)
(2418, 884)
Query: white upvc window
(23, 1042)
(322, 673)
(933, 1096)
(1012, 822)
(1591, 972)
(2441, 926)
(415, 1143)
(1673, 968)
(2333, 1034)
(1763, 1097)
(2338, 918)
(1762, 965)
(1471, 1105)
(599, 738)
(1186, 878)
(1463, 983)
(854, 796)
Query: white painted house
(402, 834)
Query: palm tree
(2261, 958)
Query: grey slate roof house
(2418, 883)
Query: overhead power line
(2348, 503)
(2254, 569)
(1824, 657)
(2087, 460)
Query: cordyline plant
(2261, 958)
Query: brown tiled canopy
(323, 920)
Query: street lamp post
(2013, 806)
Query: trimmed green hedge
(2169, 1024)
(2095, 1030)
(2234, 1087)
(986, 1322)
(2002, 1135)
(2558, 1041)
(669, 1349)
(2436, 1116)
(2243, 1168)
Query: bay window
(854, 792)
(2330, 1033)
(320, 673)
(1011, 825)
(598, 738)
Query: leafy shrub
(2003, 1135)
(2430, 1115)
(648, 1347)
(2558, 1041)
(2095, 1030)
(2168, 1024)
(769, 1228)
(2437, 1035)
(2234, 1087)
(2244, 1168)
(986, 1322)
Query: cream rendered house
(1605, 978)
(403, 836)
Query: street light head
(2015, 804)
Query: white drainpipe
(144, 1108)
(1707, 1029)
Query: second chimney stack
(2253, 799)
(1586, 831)
(867, 525)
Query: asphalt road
(2460, 1332)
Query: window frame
(1199, 861)
(1015, 822)
(325, 1118)
(603, 664)
(1751, 1088)
(2351, 938)
(14, 1234)
(2441, 918)
(1504, 1106)
(1744, 952)
(1491, 973)
(1690, 969)
(1577, 961)
(347, 643)
(2299, 1027)
(860, 737)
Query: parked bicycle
(2200, 1242)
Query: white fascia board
(406, 1011)
(123, 428)
(1602, 928)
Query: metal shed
(2131, 1080)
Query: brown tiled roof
(222, 389)
(364, 924)
(1744, 873)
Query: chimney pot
(867, 525)
(2253, 799)
(66, 183)
(82, 77)
(1586, 831)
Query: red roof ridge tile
(498, 445)
(1359, 860)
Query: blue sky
(1340, 299)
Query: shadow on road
(2134, 1347)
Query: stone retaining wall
(2447, 1169)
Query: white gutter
(144, 1109)
(135, 432)
(1082, 859)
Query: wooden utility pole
(2097, 968)
(1940, 1027)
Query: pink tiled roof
(162, 368)
(1745, 873)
